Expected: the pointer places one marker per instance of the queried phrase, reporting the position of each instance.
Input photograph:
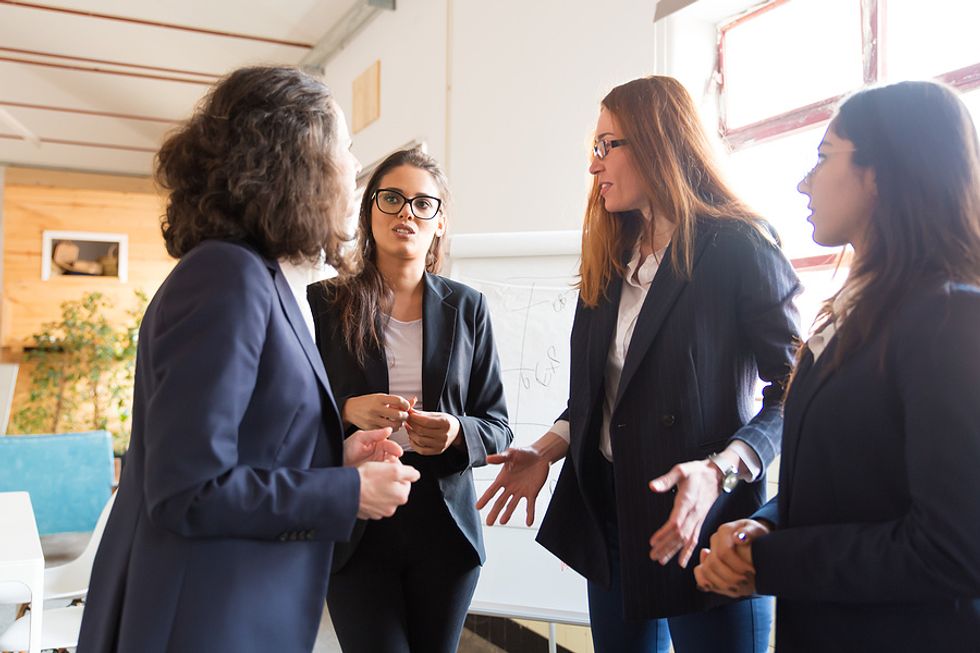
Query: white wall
(411, 44)
(514, 123)
(527, 81)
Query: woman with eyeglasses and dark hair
(685, 301)
(873, 543)
(407, 349)
(238, 480)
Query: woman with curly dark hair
(238, 480)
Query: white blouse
(299, 277)
(636, 285)
(403, 351)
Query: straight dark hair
(363, 296)
(921, 142)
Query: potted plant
(81, 371)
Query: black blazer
(460, 376)
(878, 514)
(685, 392)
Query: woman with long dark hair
(873, 543)
(237, 480)
(408, 349)
(685, 301)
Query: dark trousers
(409, 583)
(740, 627)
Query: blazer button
(668, 420)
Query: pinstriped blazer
(687, 389)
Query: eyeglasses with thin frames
(602, 147)
(391, 202)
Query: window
(784, 66)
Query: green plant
(82, 371)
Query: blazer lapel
(601, 331)
(288, 302)
(438, 340)
(810, 377)
(664, 289)
(376, 371)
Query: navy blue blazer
(877, 546)
(460, 376)
(232, 494)
(686, 391)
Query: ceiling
(94, 84)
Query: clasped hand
(726, 567)
(430, 433)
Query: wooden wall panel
(29, 210)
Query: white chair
(68, 581)
(59, 631)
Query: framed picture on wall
(84, 253)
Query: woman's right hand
(384, 487)
(524, 473)
(376, 411)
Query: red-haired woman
(685, 301)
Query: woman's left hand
(431, 433)
(370, 446)
(726, 568)
(697, 484)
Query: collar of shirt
(644, 271)
(819, 340)
(298, 276)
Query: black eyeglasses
(390, 201)
(601, 148)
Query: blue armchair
(69, 477)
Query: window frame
(873, 36)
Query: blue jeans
(741, 627)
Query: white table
(21, 558)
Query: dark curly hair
(257, 162)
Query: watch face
(729, 483)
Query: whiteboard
(527, 279)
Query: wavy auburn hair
(257, 162)
(675, 163)
(363, 295)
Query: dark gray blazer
(460, 376)
(232, 494)
(686, 391)
(877, 546)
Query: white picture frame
(50, 237)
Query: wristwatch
(729, 473)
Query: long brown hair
(364, 295)
(920, 141)
(257, 162)
(683, 182)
